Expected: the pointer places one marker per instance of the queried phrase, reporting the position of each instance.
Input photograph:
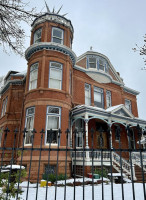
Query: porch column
(111, 138)
(111, 143)
(71, 136)
(86, 130)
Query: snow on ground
(128, 194)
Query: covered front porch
(97, 135)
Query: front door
(101, 140)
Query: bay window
(53, 123)
(33, 76)
(55, 77)
(29, 124)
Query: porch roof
(118, 113)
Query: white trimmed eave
(95, 71)
(50, 46)
(90, 112)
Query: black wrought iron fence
(28, 172)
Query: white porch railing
(137, 160)
(116, 162)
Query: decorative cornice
(50, 46)
(11, 82)
(131, 91)
(53, 18)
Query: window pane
(30, 111)
(57, 33)
(54, 64)
(92, 62)
(55, 84)
(29, 123)
(97, 97)
(51, 169)
(37, 35)
(33, 76)
(53, 110)
(55, 74)
(53, 122)
(57, 40)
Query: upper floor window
(53, 122)
(37, 36)
(57, 35)
(55, 77)
(98, 97)
(4, 106)
(87, 94)
(128, 104)
(33, 76)
(108, 99)
(29, 124)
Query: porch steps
(138, 174)
(118, 169)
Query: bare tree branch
(142, 51)
(12, 35)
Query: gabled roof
(120, 110)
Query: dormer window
(37, 36)
(97, 62)
(101, 65)
(92, 63)
(57, 35)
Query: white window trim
(29, 115)
(36, 41)
(86, 84)
(56, 68)
(31, 73)
(100, 91)
(129, 104)
(62, 38)
(52, 114)
(4, 106)
(108, 94)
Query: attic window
(101, 65)
(97, 62)
(92, 63)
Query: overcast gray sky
(111, 27)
